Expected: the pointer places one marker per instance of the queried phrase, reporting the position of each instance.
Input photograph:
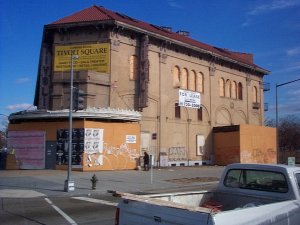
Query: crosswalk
(94, 200)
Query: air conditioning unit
(255, 105)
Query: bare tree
(288, 132)
(269, 122)
(2, 139)
(3, 132)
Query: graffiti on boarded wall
(89, 141)
(115, 156)
(258, 155)
(177, 154)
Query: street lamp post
(277, 134)
(70, 185)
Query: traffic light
(78, 99)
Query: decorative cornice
(92, 113)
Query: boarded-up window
(183, 79)
(177, 110)
(222, 87)
(200, 145)
(176, 77)
(133, 67)
(200, 82)
(227, 88)
(233, 89)
(200, 115)
(192, 80)
(254, 94)
(240, 91)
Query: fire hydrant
(94, 181)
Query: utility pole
(70, 185)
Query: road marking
(15, 193)
(69, 219)
(99, 201)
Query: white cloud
(246, 23)
(273, 5)
(295, 92)
(173, 3)
(285, 109)
(23, 106)
(293, 51)
(290, 68)
(23, 80)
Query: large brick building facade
(128, 64)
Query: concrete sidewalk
(37, 183)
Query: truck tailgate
(137, 210)
(282, 213)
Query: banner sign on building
(93, 57)
(189, 99)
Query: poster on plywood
(93, 141)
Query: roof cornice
(89, 113)
(96, 15)
(213, 54)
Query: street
(30, 197)
(57, 210)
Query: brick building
(132, 65)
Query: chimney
(183, 33)
(169, 29)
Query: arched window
(200, 82)
(233, 89)
(222, 87)
(133, 67)
(176, 77)
(240, 91)
(200, 114)
(192, 80)
(227, 88)
(254, 94)
(177, 110)
(183, 79)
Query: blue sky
(270, 29)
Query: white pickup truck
(252, 194)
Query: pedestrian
(146, 161)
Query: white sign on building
(130, 139)
(189, 99)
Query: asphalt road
(58, 211)
(37, 197)
(77, 210)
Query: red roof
(96, 13)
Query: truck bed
(212, 200)
(158, 209)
